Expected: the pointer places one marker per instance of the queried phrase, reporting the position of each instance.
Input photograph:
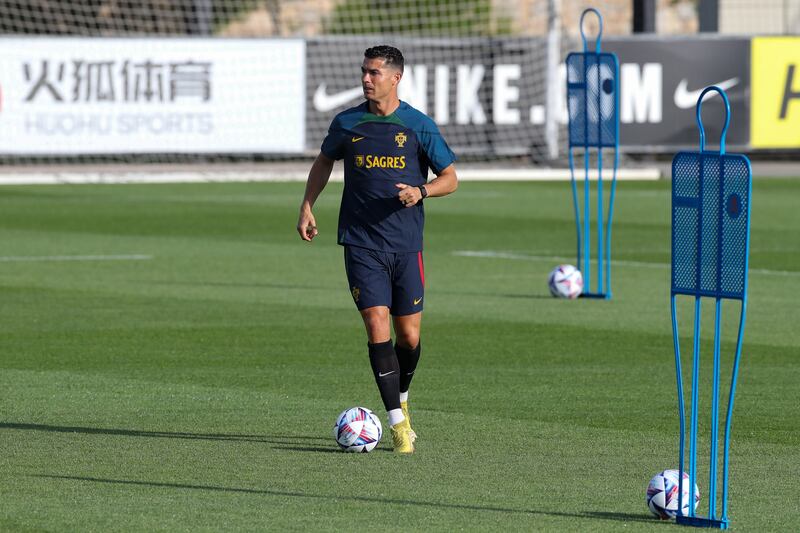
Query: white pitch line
(506, 255)
(55, 258)
(295, 174)
(774, 272)
(524, 257)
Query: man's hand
(408, 195)
(317, 179)
(307, 225)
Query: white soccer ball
(565, 281)
(357, 430)
(662, 495)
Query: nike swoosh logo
(356, 139)
(324, 102)
(417, 300)
(381, 374)
(685, 99)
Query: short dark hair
(391, 56)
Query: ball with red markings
(357, 430)
(565, 281)
(662, 495)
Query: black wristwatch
(423, 191)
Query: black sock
(408, 360)
(387, 373)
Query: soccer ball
(357, 430)
(662, 494)
(565, 281)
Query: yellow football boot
(401, 438)
(411, 432)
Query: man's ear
(397, 77)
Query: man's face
(377, 80)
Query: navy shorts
(394, 280)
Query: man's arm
(443, 184)
(317, 179)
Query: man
(387, 147)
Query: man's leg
(383, 360)
(386, 370)
(408, 350)
(408, 290)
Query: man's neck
(384, 108)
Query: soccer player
(387, 147)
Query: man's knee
(376, 320)
(376, 315)
(408, 338)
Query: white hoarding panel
(75, 96)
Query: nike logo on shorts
(417, 301)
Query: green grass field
(185, 373)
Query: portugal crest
(400, 139)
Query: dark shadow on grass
(268, 439)
(320, 449)
(282, 442)
(339, 497)
(527, 296)
(626, 517)
(315, 449)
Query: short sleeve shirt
(379, 152)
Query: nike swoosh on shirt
(356, 139)
(327, 102)
(685, 99)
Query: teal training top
(379, 152)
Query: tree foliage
(434, 18)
